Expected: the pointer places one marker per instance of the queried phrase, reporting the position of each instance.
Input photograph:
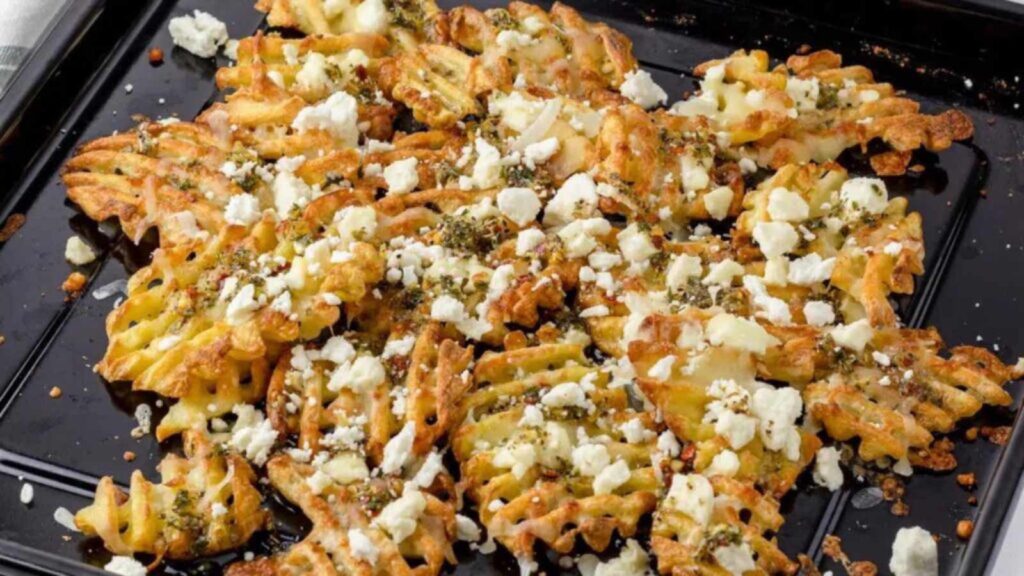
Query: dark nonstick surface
(971, 198)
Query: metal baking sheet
(970, 197)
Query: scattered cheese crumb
(201, 34)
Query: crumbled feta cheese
(775, 271)
(642, 90)
(27, 493)
(242, 306)
(810, 270)
(722, 273)
(253, 435)
(737, 559)
(853, 336)
(777, 410)
(519, 205)
(510, 40)
(338, 116)
(692, 495)
(401, 176)
(518, 458)
(242, 210)
(914, 553)
(78, 252)
(728, 330)
(372, 17)
(880, 358)
(65, 518)
(447, 309)
(803, 92)
(579, 236)
(827, 472)
(527, 240)
(864, 195)
(775, 238)
(125, 566)
(201, 34)
(576, 198)
(466, 530)
(718, 201)
(399, 518)
(632, 561)
(361, 546)
(635, 244)
(818, 313)
(567, 394)
(590, 459)
(540, 152)
(662, 369)
(487, 169)
(595, 311)
(693, 173)
(634, 431)
(398, 450)
(786, 206)
(725, 463)
(775, 310)
(362, 376)
(683, 268)
(143, 416)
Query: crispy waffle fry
(205, 503)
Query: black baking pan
(954, 54)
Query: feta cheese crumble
(78, 252)
(914, 553)
(642, 90)
(201, 33)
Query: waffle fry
(205, 503)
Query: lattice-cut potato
(206, 503)
(813, 108)
(162, 174)
(901, 389)
(550, 452)
(313, 67)
(408, 21)
(709, 397)
(438, 83)
(558, 50)
(736, 535)
(202, 321)
(354, 527)
(840, 229)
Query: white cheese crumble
(201, 34)
(372, 17)
(338, 116)
(818, 313)
(242, 210)
(253, 435)
(775, 238)
(576, 198)
(635, 244)
(662, 369)
(78, 252)
(466, 530)
(540, 152)
(786, 206)
(718, 201)
(853, 336)
(777, 410)
(609, 478)
(590, 459)
(27, 493)
(723, 272)
(860, 195)
(399, 518)
(361, 546)
(125, 566)
(683, 268)
(65, 518)
(401, 176)
(528, 240)
(519, 205)
(632, 561)
(827, 472)
(398, 450)
(914, 553)
(737, 559)
(740, 333)
(642, 90)
(725, 463)
(692, 495)
(810, 270)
